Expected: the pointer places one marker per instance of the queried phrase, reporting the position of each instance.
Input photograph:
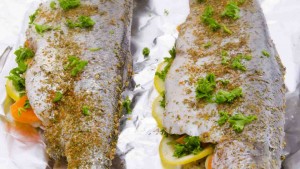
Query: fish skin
(261, 142)
(85, 141)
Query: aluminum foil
(154, 26)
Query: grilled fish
(79, 106)
(204, 49)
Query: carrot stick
(181, 139)
(22, 114)
(208, 162)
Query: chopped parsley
(53, 5)
(146, 52)
(27, 104)
(228, 96)
(247, 57)
(21, 110)
(16, 74)
(40, 29)
(200, 1)
(82, 22)
(208, 20)
(224, 82)
(126, 104)
(237, 64)
(226, 30)
(225, 58)
(231, 11)
(68, 4)
(191, 145)
(205, 87)
(33, 17)
(163, 101)
(238, 121)
(86, 111)
(76, 65)
(164, 133)
(265, 53)
(163, 74)
(207, 45)
(223, 118)
(94, 49)
(57, 97)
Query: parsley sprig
(82, 22)
(237, 121)
(163, 74)
(76, 65)
(191, 145)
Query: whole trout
(228, 68)
(74, 83)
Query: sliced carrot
(208, 162)
(181, 139)
(21, 114)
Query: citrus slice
(158, 82)
(166, 152)
(158, 111)
(11, 90)
(208, 162)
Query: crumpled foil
(154, 26)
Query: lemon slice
(158, 82)
(11, 90)
(158, 111)
(166, 152)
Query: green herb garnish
(53, 5)
(27, 104)
(68, 4)
(57, 97)
(126, 104)
(200, 1)
(86, 111)
(226, 30)
(94, 49)
(207, 45)
(146, 52)
(231, 11)
(164, 133)
(40, 29)
(223, 118)
(225, 58)
(237, 64)
(33, 17)
(205, 87)
(82, 22)
(247, 57)
(163, 101)
(76, 65)
(163, 74)
(228, 96)
(191, 145)
(239, 121)
(265, 53)
(208, 20)
(16, 74)
(224, 82)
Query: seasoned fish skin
(260, 144)
(87, 141)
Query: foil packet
(154, 26)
